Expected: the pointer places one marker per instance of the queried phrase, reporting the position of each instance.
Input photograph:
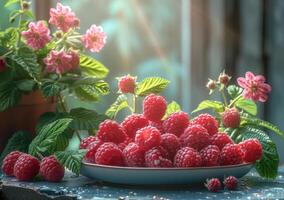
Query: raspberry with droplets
(109, 154)
(86, 141)
(231, 154)
(187, 157)
(132, 123)
(92, 150)
(170, 143)
(111, 131)
(207, 121)
(221, 139)
(157, 157)
(231, 183)
(133, 156)
(176, 123)
(213, 185)
(148, 137)
(210, 156)
(154, 107)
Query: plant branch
(235, 100)
(134, 103)
(224, 97)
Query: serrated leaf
(92, 67)
(48, 118)
(268, 165)
(208, 104)
(26, 85)
(171, 108)
(72, 160)
(19, 141)
(247, 105)
(102, 87)
(10, 95)
(234, 91)
(51, 88)
(84, 119)
(13, 15)
(151, 85)
(120, 104)
(86, 93)
(11, 2)
(29, 14)
(9, 37)
(46, 141)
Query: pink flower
(63, 18)
(61, 61)
(255, 87)
(94, 39)
(38, 35)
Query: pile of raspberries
(148, 140)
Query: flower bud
(25, 5)
(58, 34)
(76, 23)
(211, 85)
(224, 78)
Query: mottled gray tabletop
(252, 187)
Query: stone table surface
(252, 187)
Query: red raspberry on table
(231, 183)
(195, 136)
(109, 154)
(123, 144)
(26, 167)
(51, 170)
(86, 141)
(92, 150)
(231, 118)
(133, 156)
(187, 157)
(210, 156)
(231, 154)
(208, 122)
(2, 65)
(252, 149)
(148, 137)
(213, 185)
(170, 143)
(134, 122)
(158, 125)
(154, 107)
(111, 131)
(221, 139)
(176, 123)
(127, 84)
(157, 157)
(9, 163)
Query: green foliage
(86, 93)
(52, 88)
(234, 91)
(151, 85)
(171, 108)
(84, 119)
(11, 2)
(247, 105)
(8, 37)
(47, 140)
(48, 118)
(19, 141)
(92, 67)
(71, 159)
(9, 95)
(208, 104)
(26, 85)
(102, 87)
(268, 165)
(120, 104)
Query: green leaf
(9, 37)
(151, 85)
(46, 141)
(19, 141)
(72, 160)
(92, 67)
(120, 104)
(247, 105)
(11, 2)
(84, 119)
(171, 108)
(29, 14)
(26, 85)
(86, 93)
(208, 104)
(52, 88)
(234, 91)
(268, 165)
(48, 118)
(102, 87)
(14, 14)
(10, 95)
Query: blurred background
(185, 41)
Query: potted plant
(38, 65)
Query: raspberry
(109, 154)
(231, 154)
(133, 156)
(208, 122)
(210, 155)
(127, 84)
(231, 183)
(154, 107)
(221, 139)
(252, 150)
(158, 125)
(176, 123)
(26, 167)
(195, 136)
(133, 123)
(231, 118)
(148, 137)
(51, 170)
(157, 157)
(213, 185)
(187, 157)
(111, 131)
(9, 163)
(86, 141)
(170, 143)
(123, 144)
(92, 150)
(2, 65)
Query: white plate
(165, 176)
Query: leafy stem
(134, 103)
(19, 24)
(224, 97)
(235, 100)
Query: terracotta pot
(24, 116)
